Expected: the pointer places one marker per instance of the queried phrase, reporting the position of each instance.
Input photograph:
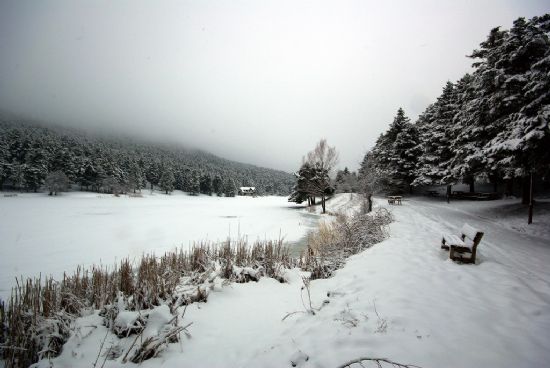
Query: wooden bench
(394, 199)
(462, 248)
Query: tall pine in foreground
(396, 152)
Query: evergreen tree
(153, 173)
(206, 184)
(135, 176)
(4, 162)
(434, 167)
(303, 190)
(230, 189)
(217, 185)
(167, 180)
(195, 182)
(396, 153)
(36, 167)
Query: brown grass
(332, 243)
(36, 320)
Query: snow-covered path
(403, 299)
(505, 243)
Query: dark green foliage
(230, 189)
(395, 155)
(57, 182)
(491, 125)
(28, 152)
(217, 185)
(167, 180)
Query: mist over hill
(29, 151)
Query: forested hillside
(491, 125)
(29, 152)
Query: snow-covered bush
(330, 245)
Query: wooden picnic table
(394, 199)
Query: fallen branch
(378, 361)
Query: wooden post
(369, 198)
(530, 220)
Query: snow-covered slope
(403, 299)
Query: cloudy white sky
(258, 81)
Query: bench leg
(443, 245)
(452, 253)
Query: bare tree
(322, 159)
(57, 182)
(371, 179)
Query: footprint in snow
(298, 359)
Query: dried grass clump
(332, 243)
(33, 325)
(36, 320)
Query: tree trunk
(323, 203)
(525, 190)
(472, 186)
(369, 199)
(449, 187)
(509, 187)
(530, 220)
(410, 189)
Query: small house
(247, 191)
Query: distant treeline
(491, 125)
(30, 152)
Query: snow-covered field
(402, 299)
(50, 235)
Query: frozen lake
(49, 235)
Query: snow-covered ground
(402, 299)
(50, 235)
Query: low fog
(254, 81)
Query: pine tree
(206, 184)
(395, 153)
(153, 173)
(195, 182)
(303, 190)
(521, 148)
(434, 167)
(217, 185)
(230, 189)
(36, 166)
(135, 176)
(4, 161)
(167, 180)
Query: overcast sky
(254, 81)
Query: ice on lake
(49, 235)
